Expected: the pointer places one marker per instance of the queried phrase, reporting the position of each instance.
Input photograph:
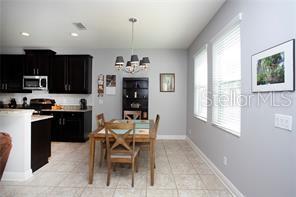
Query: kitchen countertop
(70, 108)
(8, 111)
(40, 117)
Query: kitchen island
(29, 133)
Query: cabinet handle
(65, 87)
(34, 71)
(64, 121)
(69, 87)
(60, 121)
(37, 71)
(2, 86)
(6, 86)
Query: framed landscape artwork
(273, 69)
(167, 82)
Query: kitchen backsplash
(62, 99)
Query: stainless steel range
(41, 103)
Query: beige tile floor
(180, 172)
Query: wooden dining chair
(145, 145)
(100, 125)
(132, 115)
(123, 148)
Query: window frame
(199, 51)
(229, 27)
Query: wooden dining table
(144, 133)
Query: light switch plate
(101, 101)
(283, 121)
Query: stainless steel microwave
(35, 83)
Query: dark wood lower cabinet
(70, 126)
(40, 143)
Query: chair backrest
(156, 123)
(120, 132)
(100, 120)
(132, 115)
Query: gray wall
(261, 163)
(170, 106)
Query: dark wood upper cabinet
(38, 62)
(71, 74)
(11, 73)
(58, 76)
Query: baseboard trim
(17, 176)
(171, 137)
(228, 184)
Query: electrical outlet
(225, 161)
(283, 121)
(101, 101)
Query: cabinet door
(72, 130)
(57, 127)
(40, 143)
(37, 64)
(30, 64)
(58, 77)
(43, 64)
(12, 69)
(77, 74)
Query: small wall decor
(273, 69)
(110, 84)
(167, 82)
(100, 85)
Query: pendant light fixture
(134, 65)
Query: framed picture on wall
(110, 84)
(273, 69)
(167, 82)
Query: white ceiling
(162, 23)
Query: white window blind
(200, 84)
(227, 80)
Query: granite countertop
(40, 117)
(70, 108)
(15, 111)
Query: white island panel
(18, 124)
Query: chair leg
(109, 173)
(102, 154)
(114, 167)
(137, 164)
(133, 173)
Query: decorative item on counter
(56, 107)
(110, 84)
(12, 103)
(100, 85)
(83, 104)
(273, 69)
(135, 94)
(25, 104)
(167, 82)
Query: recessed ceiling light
(25, 34)
(74, 34)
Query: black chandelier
(134, 65)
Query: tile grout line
(171, 171)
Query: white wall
(170, 106)
(261, 163)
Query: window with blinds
(200, 84)
(227, 80)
